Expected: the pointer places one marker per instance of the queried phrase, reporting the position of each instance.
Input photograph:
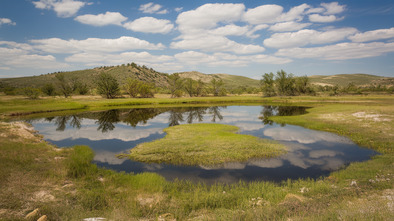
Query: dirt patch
(374, 117)
(22, 130)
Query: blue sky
(247, 38)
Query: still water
(310, 153)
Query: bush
(48, 89)
(31, 93)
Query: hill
(357, 79)
(230, 81)
(121, 72)
(149, 75)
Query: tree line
(279, 84)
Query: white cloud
(150, 25)
(14, 55)
(373, 35)
(343, 51)
(152, 8)
(63, 8)
(274, 13)
(124, 43)
(323, 18)
(212, 43)
(6, 21)
(263, 14)
(288, 26)
(179, 9)
(231, 29)
(306, 37)
(333, 8)
(95, 59)
(208, 16)
(109, 18)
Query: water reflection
(310, 153)
(269, 111)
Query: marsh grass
(80, 190)
(205, 144)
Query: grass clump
(79, 164)
(205, 144)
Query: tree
(285, 83)
(107, 85)
(217, 87)
(146, 90)
(302, 85)
(132, 87)
(175, 85)
(65, 86)
(31, 93)
(268, 85)
(189, 86)
(48, 89)
(199, 89)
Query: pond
(310, 153)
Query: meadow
(63, 184)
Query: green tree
(107, 85)
(285, 83)
(132, 87)
(217, 87)
(31, 93)
(64, 85)
(175, 83)
(48, 89)
(302, 85)
(146, 90)
(189, 86)
(199, 88)
(268, 85)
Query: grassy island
(205, 144)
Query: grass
(205, 144)
(65, 187)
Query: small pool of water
(310, 153)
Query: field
(64, 185)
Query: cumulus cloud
(212, 43)
(342, 51)
(373, 35)
(333, 8)
(150, 25)
(124, 43)
(6, 21)
(208, 16)
(109, 18)
(114, 59)
(274, 13)
(63, 8)
(323, 18)
(288, 26)
(151, 8)
(15, 55)
(307, 37)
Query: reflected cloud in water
(310, 153)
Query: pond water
(310, 153)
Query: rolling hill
(148, 75)
(357, 79)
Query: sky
(247, 38)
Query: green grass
(29, 167)
(205, 144)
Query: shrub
(31, 93)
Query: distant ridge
(159, 79)
(356, 79)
